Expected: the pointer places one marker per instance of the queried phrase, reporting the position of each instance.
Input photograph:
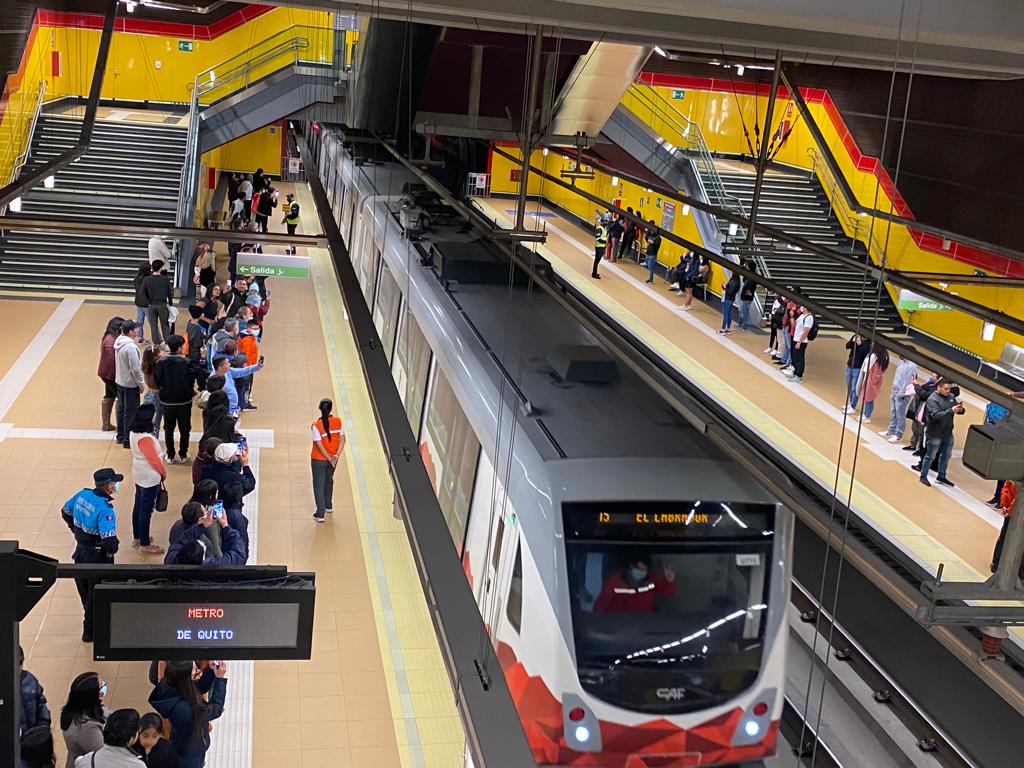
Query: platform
(804, 421)
(375, 692)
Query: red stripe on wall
(153, 27)
(976, 257)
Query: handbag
(161, 499)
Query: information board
(217, 621)
(668, 520)
(915, 302)
(668, 215)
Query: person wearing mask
(120, 733)
(141, 304)
(189, 548)
(869, 383)
(152, 747)
(175, 377)
(803, 334)
(178, 699)
(600, 245)
(150, 356)
(633, 589)
(939, 411)
(222, 367)
(83, 715)
(328, 443)
(899, 397)
(107, 372)
(291, 217)
(90, 516)
(158, 251)
(729, 291)
(858, 347)
(222, 469)
(34, 710)
(158, 294)
(249, 347)
(149, 474)
(259, 305)
(747, 319)
(128, 377)
(245, 188)
(651, 250)
(775, 316)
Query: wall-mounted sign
(915, 302)
(185, 45)
(678, 93)
(668, 215)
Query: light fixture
(648, 189)
(988, 331)
(862, 214)
(15, 205)
(49, 182)
(945, 244)
(545, 151)
(582, 733)
(739, 70)
(733, 229)
(615, 181)
(130, 6)
(943, 286)
(660, 51)
(686, 210)
(752, 728)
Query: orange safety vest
(330, 440)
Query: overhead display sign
(272, 265)
(915, 302)
(212, 622)
(657, 520)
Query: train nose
(580, 726)
(757, 718)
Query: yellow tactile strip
(427, 726)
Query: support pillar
(762, 154)
(526, 145)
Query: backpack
(813, 333)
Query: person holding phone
(191, 549)
(939, 411)
(328, 443)
(83, 715)
(178, 699)
(224, 472)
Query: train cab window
(514, 604)
(450, 451)
(385, 311)
(693, 579)
(411, 369)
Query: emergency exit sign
(184, 45)
(678, 93)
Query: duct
(196, 9)
(595, 86)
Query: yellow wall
(258, 149)
(718, 114)
(21, 94)
(633, 196)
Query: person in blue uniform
(90, 516)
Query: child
(152, 746)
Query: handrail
(20, 160)
(851, 223)
(243, 70)
(288, 31)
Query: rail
(20, 160)
(850, 221)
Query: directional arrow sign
(273, 265)
(915, 302)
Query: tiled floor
(934, 525)
(359, 700)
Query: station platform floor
(804, 421)
(375, 692)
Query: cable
(736, 98)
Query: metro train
(633, 580)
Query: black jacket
(653, 242)
(858, 353)
(225, 474)
(196, 340)
(732, 287)
(938, 415)
(156, 290)
(267, 203)
(233, 301)
(176, 378)
(162, 755)
(140, 300)
(217, 422)
(33, 702)
(747, 292)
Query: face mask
(117, 486)
(254, 331)
(638, 574)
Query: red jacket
(106, 367)
(1007, 496)
(618, 596)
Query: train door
(502, 603)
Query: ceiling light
(943, 286)
(686, 210)
(733, 229)
(15, 205)
(739, 70)
(752, 728)
(213, 75)
(660, 51)
(988, 331)
(130, 6)
(49, 182)
(545, 152)
(862, 214)
(615, 181)
(945, 244)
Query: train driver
(633, 588)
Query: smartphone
(218, 509)
(242, 443)
(260, 361)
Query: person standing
(747, 299)
(266, 202)
(246, 190)
(259, 181)
(1007, 498)
(151, 355)
(328, 443)
(129, 379)
(222, 367)
(34, 710)
(107, 372)
(691, 269)
(600, 244)
(178, 698)
(803, 334)
(869, 383)
(729, 291)
(939, 411)
(149, 474)
(141, 304)
(858, 347)
(653, 246)
(120, 733)
(176, 378)
(785, 360)
(204, 270)
(90, 516)
(899, 397)
(775, 317)
(614, 235)
(291, 217)
(922, 391)
(158, 251)
(83, 715)
(158, 294)
(629, 233)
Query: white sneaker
(775, 354)
(674, 287)
(788, 369)
(867, 421)
(885, 433)
(894, 439)
(767, 350)
(849, 409)
(687, 307)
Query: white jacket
(110, 757)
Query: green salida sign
(184, 45)
(273, 265)
(915, 302)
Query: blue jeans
(787, 348)
(745, 315)
(938, 450)
(852, 374)
(154, 399)
(145, 499)
(898, 413)
(140, 321)
(651, 262)
(727, 313)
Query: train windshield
(669, 601)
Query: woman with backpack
(178, 698)
(729, 291)
(869, 383)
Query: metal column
(527, 140)
(762, 154)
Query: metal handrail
(287, 32)
(243, 70)
(22, 159)
(850, 221)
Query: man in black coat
(158, 292)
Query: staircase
(129, 174)
(797, 204)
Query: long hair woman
(106, 372)
(150, 355)
(870, 384)
(177, 698)
(83, 715)
(141, 304)
(328, 443)
(149, 473)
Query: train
(632, 578)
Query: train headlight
(752, 728)
(581, 728)
(582, 733)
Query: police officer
(90, 516)
(291, 217)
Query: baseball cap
(106, 476)
(225, 452)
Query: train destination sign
(658, 520)
(218, 621)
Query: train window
(695, 593)
(498, 536)
(385, 311)
(411, 369)
(450, 450)
(514, 604)
(370, 269)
